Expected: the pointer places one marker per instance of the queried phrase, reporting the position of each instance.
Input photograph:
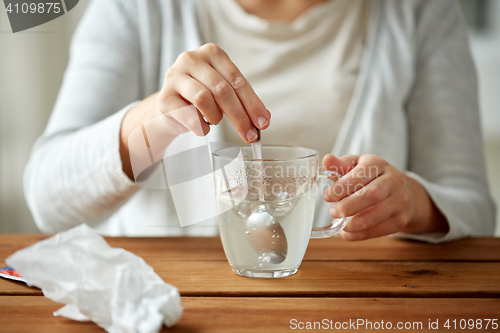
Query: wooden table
(339, 283)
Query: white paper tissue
(110, 286)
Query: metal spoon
(264, 231)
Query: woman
(381, 83)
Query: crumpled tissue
(110, 286)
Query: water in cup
(294, 214)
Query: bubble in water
(247, 232)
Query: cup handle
(337, 224)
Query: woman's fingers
(392, 225)
(372, 216)
(197, 94)
(367, 169)
(189, 117)
(172, 105)
(208, 79)
(251, 103)
(373, 193)
(225, 97)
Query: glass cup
(266, 208)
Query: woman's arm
(444, 196)
(446, 145)
(74, 174)
(80, 170)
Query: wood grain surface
(220, 314)
(381, 279)
(324, 279)
(210, 248)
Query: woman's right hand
(207, 79)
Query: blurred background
(32, 65)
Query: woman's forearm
(76, 177)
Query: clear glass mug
(266, 208)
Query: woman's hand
(381, 199)
(207, 79)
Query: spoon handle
(257, 155)
(257, 146)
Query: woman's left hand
(381, 199)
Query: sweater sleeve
(74, 174)
(446, 147)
